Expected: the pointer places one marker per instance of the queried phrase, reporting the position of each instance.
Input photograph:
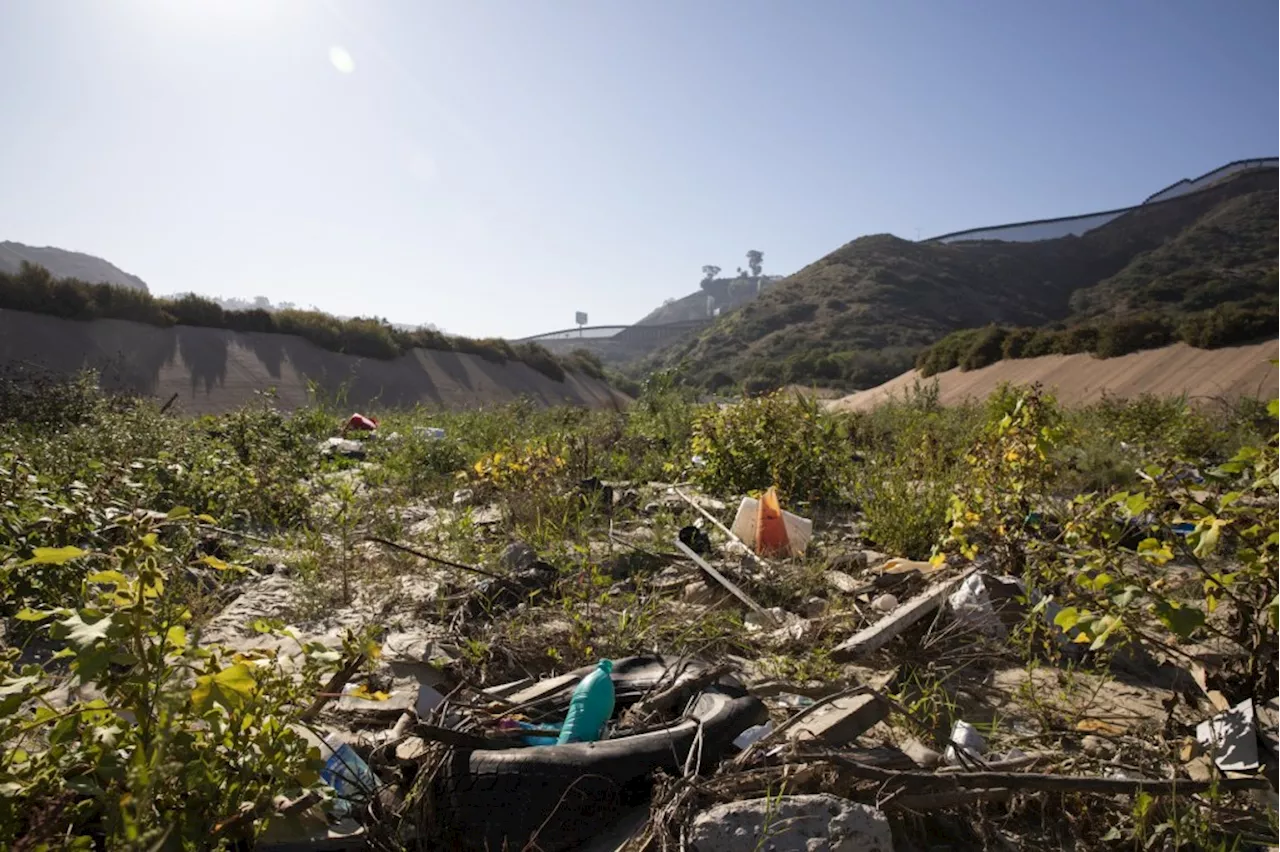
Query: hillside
(1199, 374)
(213, 370)
(67, 264)
(862, 314)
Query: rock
(700, 593)
(852, 560)
(842, 582)
(1096, 746)
(463, 496)
(344, 447)
(875, 558)
(518, 556)
(814, 608)
(924, 757)
(885, 603)
(818, 823)
(1200, 768)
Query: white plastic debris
(799, 530)
(752, 734)
(969, 740)
(1231, 738)
(433, 432)
(885, 603)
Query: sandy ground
(1077, 379)
(213, 370)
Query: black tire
(560, 796)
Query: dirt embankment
(1201, 374)
(214, 370)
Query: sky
(493, 167)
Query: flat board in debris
(879, 634)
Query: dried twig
(333, 688)
(436, 559)
(1027, 781)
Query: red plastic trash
(360, 423)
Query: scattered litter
(360, 423)
(696, 539)
(753, 734)
(983, 602)
(432, 432)
(841, 720)
(965, 740)
(881, 632)
(842, 582)
(885, 603)
(791, 536)
(1231, 737)
(344, 447)
(350, 777)
(590, 707)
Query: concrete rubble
(815, 823)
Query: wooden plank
(876, 636)
(728, 584)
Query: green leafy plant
(184, 739)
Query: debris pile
(919, 701)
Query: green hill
(867, 311)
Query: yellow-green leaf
(55, 555)
(176, 636)
(28, 614)
(108, 577)
(231, 688)
(214, 563)
(1067, 618)
(178, 512)
(1210, 530)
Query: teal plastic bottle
(590, 707)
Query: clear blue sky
(491, 167)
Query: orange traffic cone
(771, 529)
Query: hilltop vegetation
(864, 313)
(67, 264)
(34, 289)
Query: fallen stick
(667, 699)
(436, 559)
(724, 581)
(877, 635)
(949, 799)
(1027, 781)
(471, 742)
(333, 688)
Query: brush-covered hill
(67, 264)
(865, 312)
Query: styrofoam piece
(799, 530)
(969, 740)
(1232, 738)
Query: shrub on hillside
(1228, 325)
(1132, 334)
(34, 290)
(984, 348)
(1015, 342)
